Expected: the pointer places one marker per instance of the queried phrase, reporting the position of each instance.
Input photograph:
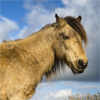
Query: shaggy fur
(24, 62)
(77, 26)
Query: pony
(23, 62)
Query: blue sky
(21, 18)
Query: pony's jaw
(76, 71)
(76, 68)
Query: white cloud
(38, 16)
(6, 26)
(60, 95)
(65, 2)
(27, 4)
(77, 2)
(25, 32)
(81, 3)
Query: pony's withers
(24, 62)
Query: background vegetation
(83, 96)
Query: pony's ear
(59, 20)
(79, 18)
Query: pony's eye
(66, 37)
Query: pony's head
(67, 46)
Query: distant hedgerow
(83, 96)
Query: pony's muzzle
(82, 64)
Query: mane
(77, 26)
(4, 41)
(55, 25)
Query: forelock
(77, 26)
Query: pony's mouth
(76, 71)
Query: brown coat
(24, 62)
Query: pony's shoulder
(7, 50)
(6, 46)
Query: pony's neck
(39, 46)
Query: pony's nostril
(82, 64)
